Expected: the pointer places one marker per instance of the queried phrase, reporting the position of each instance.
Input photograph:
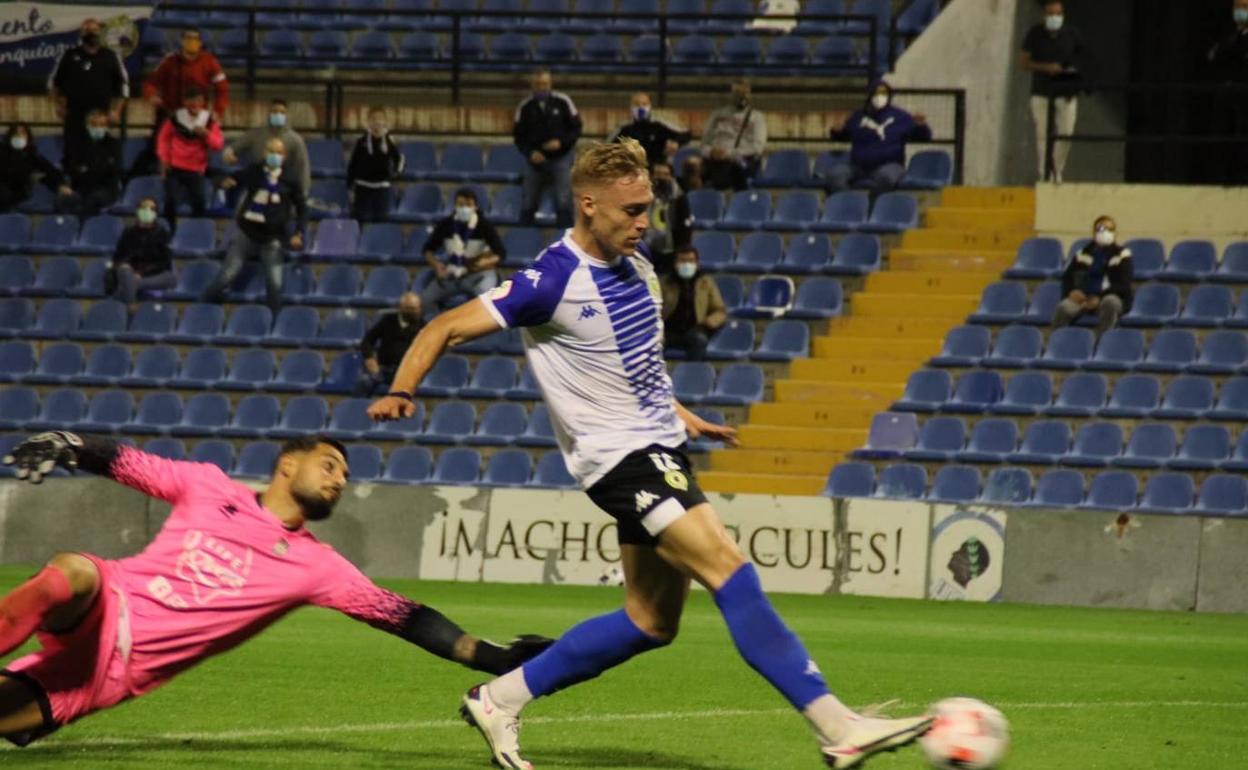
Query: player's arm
(155, 476)
(696, 427)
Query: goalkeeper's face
(319, 478)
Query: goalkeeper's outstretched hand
(499, 659)
(35, 457)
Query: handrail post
(959, 135)
(251, 54)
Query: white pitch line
(442, 724)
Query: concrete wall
(1169, 212)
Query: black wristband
(401, 394)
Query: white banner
(968, 553)
(34, 35)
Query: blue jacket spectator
(877, 134)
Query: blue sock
(765, 642)
(585, 651)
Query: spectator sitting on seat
(183, 147)
(190, 67)
(733, 142)
(385, 344)
(473, 251)
(250, 147)
(691, 174)
(271, 213)
(1097, 281)
(375, 164)
(657, 137)
(547, 127)
(669, 218)
(693, 308)
(877, 134)
(94, 169)
(142, 260)
(22, 162)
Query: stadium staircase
(821, 411)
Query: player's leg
(56, 598)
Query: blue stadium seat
(104, 320)
(928, 170)
(1172, 350)
(1002, 302)
(747, 210)
(738, 384)
(447, 376)
(816, 298)
(732, 290)
(17, 360)
(15, 229)
(1118, 350)
(788, 50)
(194, 238)
(335, 239)
(850, 480)
(964, 346)
(419, 158)
(1234, 265)
(706, 207)
(193, 278)
(856, 254)
(692, 381)
(450, 422)
(256, 460)
(1017, 347)
(152, 321)
(955, 484)
(375, 47)
(1069, 348)
(503, 162)
(552, 473)
(926, 391)
(54, 235)
(1168, 493)
(168, 448)
(806, 253)
(505, 210)
(16, 316)
(1222, 352)
(1207, 306)
(294, 327)
(137, 189)
(58, 364)
(1081, 395)
(301, 416)
(1038, 258)
(338, 285)
(344, 372)
(511, 48)
(1059, 489)
(1223, 495)
(250, 370)
(1238, 462)
(835, 51)
(322, 45)
(1007, 486)
(349, 420)
(770, 297)
(786, 169)
(501, 424)
(1044, 441)
(1043, 304)
(1025, 393)
(158, 413)
(795, 210)
(247, 325)
(214, 451)
(526, 389)
(1136, 395)
(57, 318)
(783, 341)
(202, 368)
(343, 328)
(107, 412)
(901, 482)
(508, 468)
(843, 211)
(1204, 447)
(523, 244)
(408, 465)
(1190, 261)
(734, 340)
(695, 53)
(107, 365)
(893, 212)
(1232, 401)
(891, 435)
(538, 432)
(605, 52)
(461, 161)
(1096, 445)
(1112, 490)
(206, 414)
(300, 370)
(365, 462)
(976, 391)
(758, 253)
(199, 323)
(1154, 305)
(56, 277)
(1152, 445)
(808, 26)
(991, 441)
(715, 249)
(18, 406)
(380, 242)
(17, 275)
(939, 440)
(1239, 319)
(154, 367)
(383, 287)
(421, 202)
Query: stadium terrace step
(878, 306)
(813, 415)
(989, 197)
(926, 260)
(785, 439)
(856, 372)
(761, 484)
(948, 218)
(911, 282)
(879, 348)
(955, 239)
(824, 392)
(786, 462)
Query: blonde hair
(608, 161)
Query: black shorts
(648, 490)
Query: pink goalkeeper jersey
(223, 568)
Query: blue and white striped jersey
(593, 334)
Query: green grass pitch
(1081, 688)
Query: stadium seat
(1117, 350)
(694, 52)
(365, 462)
(1096, 445)
(1001, 302)
(349, 421)
(538, 432)
(1168, 493)
(107, 412)
(249, 370)
(1043, 304)
(783, 341)
(1059, 489)
(447, 376)
(1207, 306)
(1222, 352)
(1007, 486)
(58, 364)
(500, 425)
(1239, 318)
(806, 253)
(705, 207)
(1069, 348)
(16, 316)
(294, 327)
(955, 484)
(421, 202)
(154, 367)
(903, 481)
(1187, 398)
(450, 422)
(300, 370)
(785, 169)
(194, 238)
(850, 480)
(1044, 441)
(1172, 350)
(526, 389)
(964, 346)
(1136, 395)
(380, 242)
(1037, 258)
(816, 298)
(137, 189)
(419, 158)
(734, 340)
(214, 451)
(343, 328)
(202, 368)
(15, 230)
(732, 289)
(1204, 448)
(1081, 395)
(991, 441)
(106, 366)
(503, 162)
(1234, 265)
(747, 210)
(375, 47)
(758, 253)
(1190, 261)
(523, 244)
(17, 360)
(199, 323)
(457, 466)
(338, 285)
(58, 318)
(835, 51)
(692, 381)
(247, 325)
(856, 254)
(788, 50)
(891, 435)
(715, 249)
(1112, 490)
(770, 297)
(1025, 393)
(335, 239)
(926, 390)
(1017, 347)
(152, 321)
(302, 415)
(383, 287)
(461, 161)
(928, 170)
(207, 414)
(552, 473)
(939, 440)
(603, 50)
(56, 277)
(1154, 305)
(738, 384)
(157, 413)
(54, 235)
(1223, 495)
(893, 212)
(1238, 462)
(1232, 401)
(795, 210)
(18, 406)
(256, 460)
(976, 391)
(1152, 445)
(408, 465)
(843, 211)
(104, 321)
(168, 448)
(193, 279)
(508, 468)
(343, 374)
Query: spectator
(657, 137)
(250, 147)
(375, 164)
(1229, 60)
(189, 68)
(141, 261)
(1097, 280)
(691, 174)
(89, 76)
(94, 169)
(546, 129)
(877, 134)
(733, 142)
(473, 251)
(183, 147)
(22, 162)
(385, 344)
(1053, 53)
(669, 218)
(693, 308)
(272, 211)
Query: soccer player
(227, 563)
(590, 309)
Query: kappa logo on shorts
(645, 500)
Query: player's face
(620, 213)
(320, 477)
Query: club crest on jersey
(281, 547)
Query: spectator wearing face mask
(250, 147)
(375, 165)
(22, 165)
(142, 260)
(183, 147)
(189, 68)
(88, 76)
(471, 249)
(657, 137)
(94, 169)
(670, 221)
(1228, 59)
(693, 308)
(1054, 54)
(1098, 280)
(877, 134)
(385, 344)
(272, 213)
(547, 127)
(733, 142)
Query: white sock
(510, 692)
(828, 717)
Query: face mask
(641, 113)
(1105, 237)
(686, 270)
(1053, 23)
(541, 96)
(277, 119)
(18, 142)
(146, 216)
(91, 39)
(97, 133)
(879, 101)
(1241, 15)
(464, 213)
(273, 160)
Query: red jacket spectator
(176, 74)
(180, 146)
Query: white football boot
(871, 735)
(500, 728)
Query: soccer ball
(966, 734)
(613, 576)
